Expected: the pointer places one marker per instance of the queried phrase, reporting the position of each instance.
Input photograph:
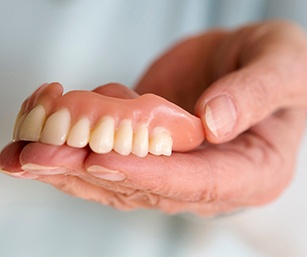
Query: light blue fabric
(83, 44)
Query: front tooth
(140, 142)
(79, 133)
(56, 128)
(16, 133)
(102, 137)
(33, 124)
(17, 127)
(123, 138)
(160, 143)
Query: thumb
(245, 97)
(270, 76)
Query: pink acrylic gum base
(151, 110)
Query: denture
(142, 125)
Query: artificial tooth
(123, 138)
(102, 137)
(32, 126)
(160, 143)
(15, 134)
(17, 127)
(79, 133)
(140, 142)
(56, 128)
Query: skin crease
(261, 67)
(147, 109)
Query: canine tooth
(33, 124)
(102, 137)
(160, 143)
(79, 133)
(140, 142)
(17, 127)
(56, 128)
(123, 138)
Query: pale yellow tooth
(79, 133)
(123, 138)
(15, 135)
(140, 142)
(17, 127)
(160, 143)
(56, 128)
(102, 137)
(33, 124)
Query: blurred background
(83, 44)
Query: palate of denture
(146, 124)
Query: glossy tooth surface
(160, 143)
(32, 126)
(140, 142)
(56, 128)
(102, 137)
(79, 133)
(17, 127)
(123, 138)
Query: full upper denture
(142, 125)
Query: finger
(47, 160)
(116, 90)
(63, 168)
(199, 176)
(9, 157)
(9, 161)
(83, 185)
(43, 159)
(21, 158)
(271, 77)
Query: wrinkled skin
(261, 67)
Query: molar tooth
(160, 143)
(123, 138)
(56, 128)
(102, 137)
(140, 142)
(32, 126)
(79, 133)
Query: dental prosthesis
(142, 125)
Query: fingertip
(55, 88)
(116, 90)
(9, 157)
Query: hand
(249, 88)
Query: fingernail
(107, 174)
(20, 174)
(220, 115)
(43, 170)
